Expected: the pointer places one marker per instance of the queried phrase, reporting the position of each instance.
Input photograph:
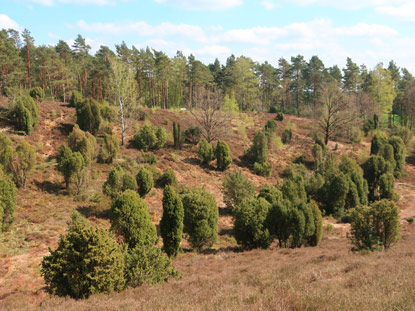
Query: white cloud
(405, 11)
(363, 29)
(6, 23)
(269, 5)
(213, 50)
(75, 2)
(196, 5)
(144, 29)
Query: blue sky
(369, 31)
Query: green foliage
(142, 115)
(171, 223)
(249, 223)
(399, 153)
(375, 227)
(177, 136)
(168, 178)
(37, 93)
(131, 220)
(24, 112)
(88, 116)
(271, 194)
(200, 217)
(150, 138)
(110, 149)
(286, 136)
(270, 127)
(148, 265)
(404, 133)
(280, 116)
(82, 142)
(223, 155)
(236, 187)
(70, 164)
(192, 135)
(117, 182)
(263, 169)
(18, 163)
(293, 189)
(145, 181)
(76, 99)
(8, 199)
(374, 169)
(205, 152)
(381, 88)
(87, 261)
(318, 156)
(258, 152)
(149, 157)
(107, 112)
(378, 140)
(319, 141)
(315, 238)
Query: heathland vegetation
(120, 171)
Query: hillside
(328, 277)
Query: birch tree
(124, 91)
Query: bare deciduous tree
(337, 110)
(208, 114)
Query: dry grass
(328, 277)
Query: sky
(368, 31)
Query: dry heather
(329, 277)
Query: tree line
(293, 86)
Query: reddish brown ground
(307, 278)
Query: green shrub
(315, 238)
(70, 164)
(88, 116)
(375, 227)
(205, 152)
(318, 156)
(37, 93)
(171, 223)
(149, 158)
(8, 199)
(399, 152)
(18, 163)
(117, 182)
(82, 142)
(150, 138)
(258, 152)
(148, 265)
(280, 116)
(145, 181)
(128, 182)
(270, 127)
(76, 99)
(24, 112)
(192, 135)
(87, 261)
(177, 136)
(374, 168)
(263, 169)
(223, 156)
(131, 220)
(107, 112)
(293, 189)
(200, 217)
(249, 223)
(236, 187)
(271, 194)
(378, 140)
(142, 114)
(168, 178)
(154, 171)
(404, 133)
(110, 149)
(286, 136)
